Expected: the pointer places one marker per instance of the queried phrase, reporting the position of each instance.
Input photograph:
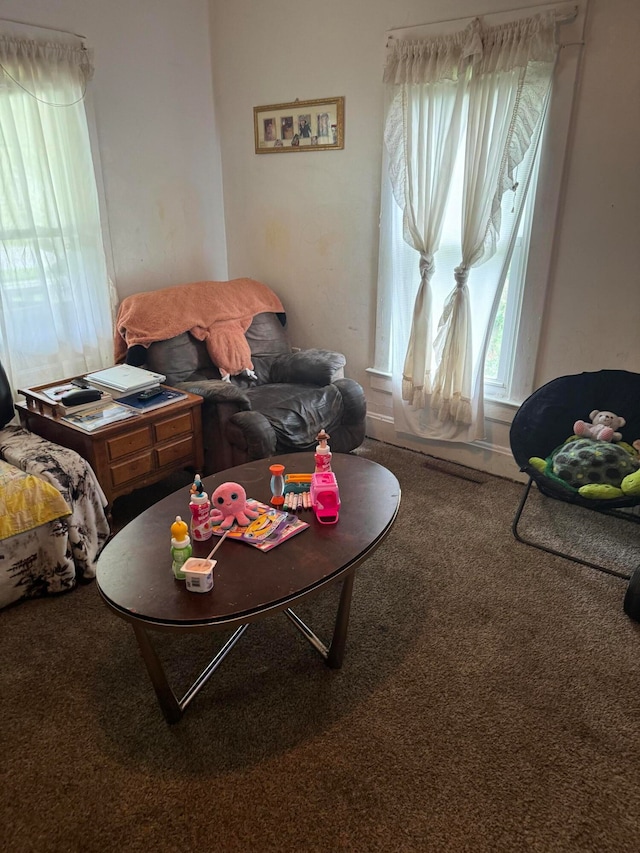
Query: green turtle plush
(597, 470)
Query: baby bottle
(180, 547)
(200, 506)
(323, 453)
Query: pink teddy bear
(603, 426)
(229, 504)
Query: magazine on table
(92, 419)
(166, 396)
(269, 529)
(57, 392)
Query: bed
(53, 521)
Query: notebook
(125, 378)
(168, 395)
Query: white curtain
(56, 300)
(479, 96)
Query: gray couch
(292, 397)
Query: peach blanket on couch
(217, 312)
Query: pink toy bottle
(323, 453)
(200, 507)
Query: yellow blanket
(217, 312)
(26, 501)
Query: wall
(152, 97)
(307, 223)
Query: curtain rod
(561, 19)
(38, 27)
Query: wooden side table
(131, 453)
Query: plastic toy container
(325, 497)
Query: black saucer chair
(545, 420)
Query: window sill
(500, 411)
(380, 380)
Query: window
(55, 302)
(512, 343)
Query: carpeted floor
(489, 701)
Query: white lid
(180, 543)
(323, 450)
(199, 499)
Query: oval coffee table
(135, 579)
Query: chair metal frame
(545, 420)
(612, 512)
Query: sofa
(53, 521)
(260, 396)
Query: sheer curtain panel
(464, 119)
(55, 296)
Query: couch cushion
(297, 413)
(267, 335)
(181, 359)
(308, 367)
(267, 338)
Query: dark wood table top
(134, 572)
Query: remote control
(149, 393)
(81, 395)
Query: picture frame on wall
(316, 125)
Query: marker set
(297, 493)
(297, 500)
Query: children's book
(270, 528)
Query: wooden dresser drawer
(171, 427)
(132, 469)
(130, 442)
(170, 453)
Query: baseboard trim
(483, 456)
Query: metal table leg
(172, 708)
(335, 654)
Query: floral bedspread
(53, 556)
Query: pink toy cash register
(325, 497)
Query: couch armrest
(308, 367)
(217, 391)
(354, 401)
(251, 436)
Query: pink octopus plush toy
(229, 504)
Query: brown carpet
(489, 701)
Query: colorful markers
(297, 492)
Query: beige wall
(308, 224)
